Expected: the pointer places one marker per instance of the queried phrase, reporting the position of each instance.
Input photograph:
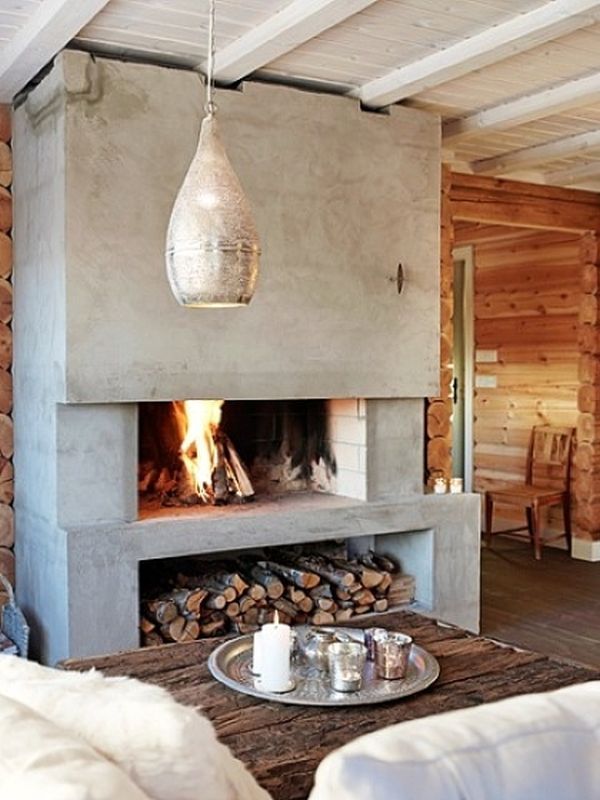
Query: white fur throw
(533, 747)
(40, 761)
(170, 751)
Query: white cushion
(533, 747)
(169, 750)
(39, 760)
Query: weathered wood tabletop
(282, 744)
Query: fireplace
(323, 376)
(215, 452)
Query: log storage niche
(192, 598)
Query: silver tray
(230, 664)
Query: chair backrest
(549, 457)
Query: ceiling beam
(571, 94)
(521, 33)
(295, 24)
(527, 157)
(577, 174)
(50, 27)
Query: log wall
(586, 488)
(7, 565)
(439, 408)
(527, 301)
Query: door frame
(465, 254)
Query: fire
(199, 451)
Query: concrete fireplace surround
(341, 198)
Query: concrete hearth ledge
(435, 537)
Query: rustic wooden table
(282, 745)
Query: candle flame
(276, 618)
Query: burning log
(190, 459)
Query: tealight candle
(274, 649)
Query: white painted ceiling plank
(47, 31)
(526, 31)
(538, 154)
(566, 96)
(295, 24)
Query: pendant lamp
(213, 249)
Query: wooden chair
(547, 484)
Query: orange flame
(198, 449)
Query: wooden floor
(552, 605)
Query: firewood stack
(241, 596)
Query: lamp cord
(210, 106)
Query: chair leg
(489, 519)
(567, 517)
(529, 515)
(537, 531)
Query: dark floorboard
(552, 605)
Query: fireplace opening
(214, 452)
(184, 599)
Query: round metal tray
(230, 664)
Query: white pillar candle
(275, 649)
(256, 653)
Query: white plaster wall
(39, 325)
(340, 197)
(39, 361)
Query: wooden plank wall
(527, 300)
(7, 562)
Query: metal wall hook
(400, 278)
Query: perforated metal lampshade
(213, 249)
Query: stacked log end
(248, 593)
(7, 561)
(439, 408)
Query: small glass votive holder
(440, 486)
(370, 635)
(346, 665)
(392, 653)
(456, 485)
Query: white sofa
(533, 747)
(81, 736)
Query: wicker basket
(12, 621)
